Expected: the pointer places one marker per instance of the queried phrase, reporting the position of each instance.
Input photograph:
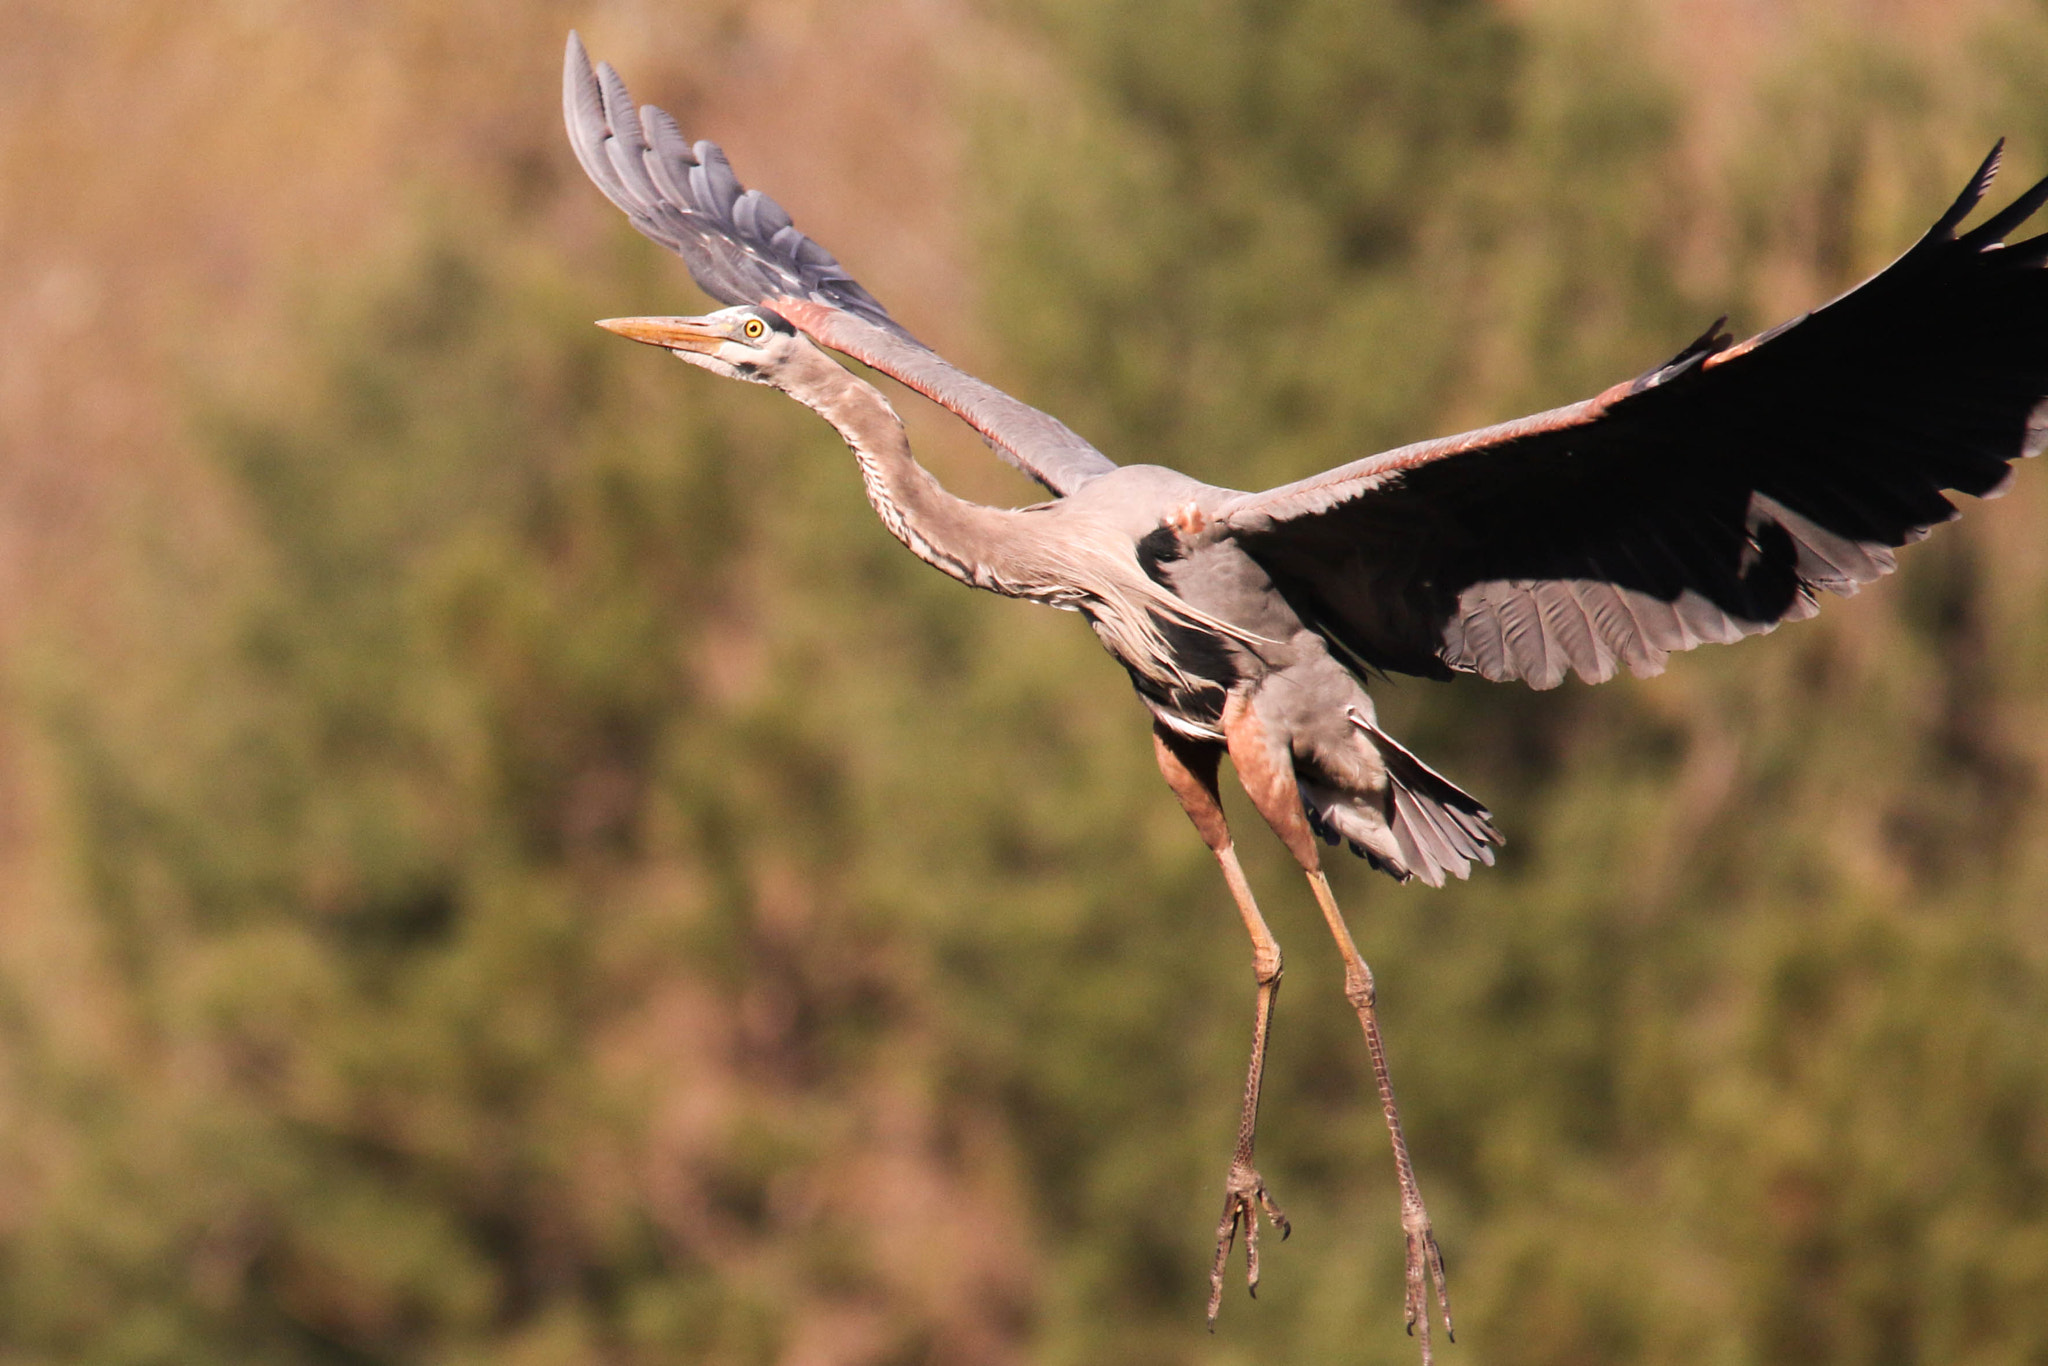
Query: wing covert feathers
(1707, 500)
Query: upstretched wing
(742, 248)
(1707, 500)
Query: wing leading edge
(1707, 500)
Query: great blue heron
(1706, 500)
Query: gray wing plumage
(742, 248)
(1707, 500)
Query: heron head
(748, 342)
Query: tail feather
(1425, 827)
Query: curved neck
(975, 544)
(1029, 553)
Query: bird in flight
(1708, 499)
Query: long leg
(1423, 1252)
(1266, 770)
(1190, 770)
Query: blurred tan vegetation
(502, 860)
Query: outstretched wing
(1708, 500)
(742, 248)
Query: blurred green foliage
(574, 891)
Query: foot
(1425, 1268)
(1244, 1196)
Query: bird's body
(1145, 554)
(1240, 637)
(1711, 498)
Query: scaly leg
(1423, 1253)
(1266, 769)
(1190, 770)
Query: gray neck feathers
(1034, 553)
(975, 544)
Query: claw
(1273, 1213)
(1226, 1239)
(1245, 1195)
(1425, 1269)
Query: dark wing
(1708, 500)
(742, 248)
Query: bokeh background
(502, 860)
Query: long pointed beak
(675, 334)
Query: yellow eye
(753, 329)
